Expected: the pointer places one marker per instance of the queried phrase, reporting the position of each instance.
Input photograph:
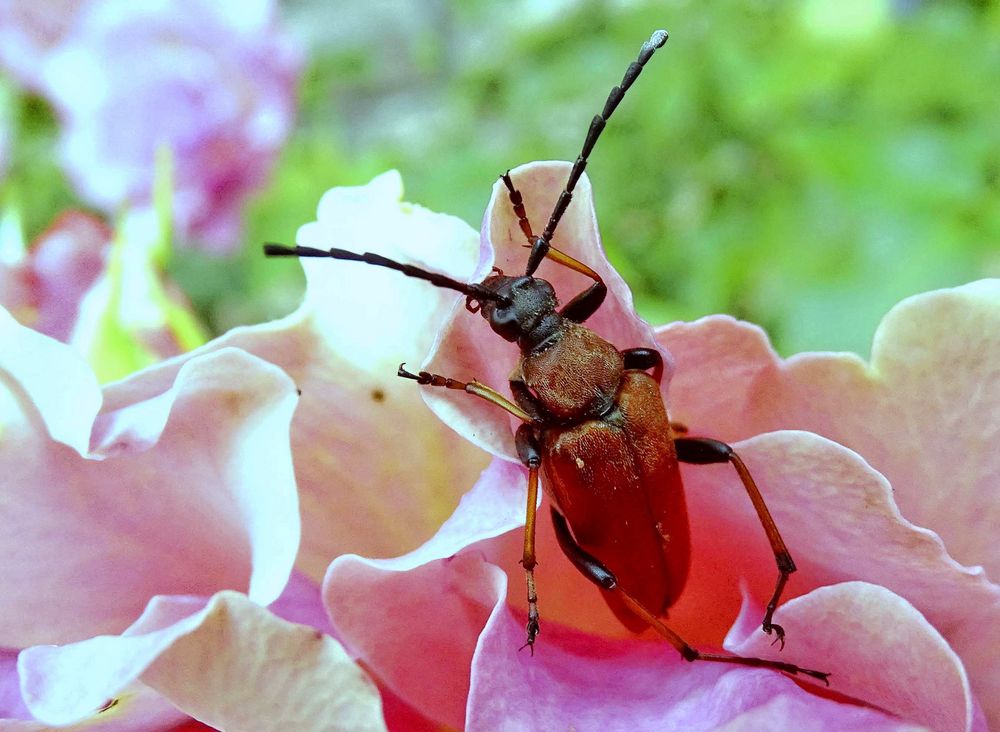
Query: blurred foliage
(34, 184)
(803, 165)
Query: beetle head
(525, 309)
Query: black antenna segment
(597, 126)
(471, 291)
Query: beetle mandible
(594, 427)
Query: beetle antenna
(472, 291)
(597, 126)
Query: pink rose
(144, 537)
(213, 82)
(878, 601)
(355, 402)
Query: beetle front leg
(704, 451)
(526, 400)
(473, 387)
(527, 449)
(596, 572)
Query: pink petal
(60, 387)
(918, 414)
(302, 602)
(11, 704)
(400, 313)
(876, 646)
(468, 349)
(495, 505)
(28, 32)
(839, 520)
(232, 664)
(137, 708)
(90, 538)
(930, 395)
(377, 471)
(935, 373)
(577, 681)
(416, 629)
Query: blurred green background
(803, 165)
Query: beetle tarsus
(421, 378)
(779, 634)
(533, 629)
(823, 676)
(403, 373)
(691, 654)
(426, 378)
(785, 567)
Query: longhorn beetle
(594, 426)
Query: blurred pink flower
(213, 82)
(133, 528)
(45, 287)
(29, 30)
(102, 292)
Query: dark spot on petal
(378, 395)
(109, 704)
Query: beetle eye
(503, 321)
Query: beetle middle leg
(704, 451)
(596, 572)
(527, 449)
(642, 359)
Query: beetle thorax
(576, 376)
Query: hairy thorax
(577, 376)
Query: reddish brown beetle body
(594, 427)
(603, 439)
(617, 482)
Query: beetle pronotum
(578, 396)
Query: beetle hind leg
(702, 451)
(600, 575)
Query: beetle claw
(533, 628)
(779, 634)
